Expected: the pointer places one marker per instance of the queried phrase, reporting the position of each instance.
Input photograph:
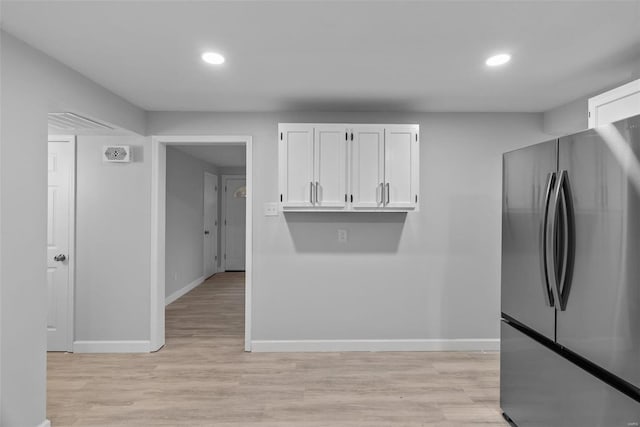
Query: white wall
(113, 240)
(184, 219)
(428, 275)
(32, 85)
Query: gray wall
(184, 220)
(434, 274)
(32, 85)
(113, 240)
(568, 118)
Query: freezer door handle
(560, 241)
(544, 266)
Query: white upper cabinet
(348, 167)
(296, 166)
(614, 105)
(330, 167)
(367, 167)
(400, 167)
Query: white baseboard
(111, 346)
(375, 345)
(177, 294)
(45, 423)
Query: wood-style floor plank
(202, 377)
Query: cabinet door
(367, 167)
(330, 165)
(296, 165)
(400, 167)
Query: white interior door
(210, 215)
(60, 217)
(235, 223)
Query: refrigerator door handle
(568, 240)
(551, 240)
(560, 248)
(544, 266)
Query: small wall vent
(116, 153)
(73, 122)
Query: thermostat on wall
(116, 153)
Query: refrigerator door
(602, 317)
(539, 388)
(528, 177)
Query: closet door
(296, 157)
(400, 167)
(367, 167)
(330, 167)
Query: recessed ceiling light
(213, 58)
(496, 60)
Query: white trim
(71, 256)
(180, 292)
(376, 345)
(158, 222)
(217, 255)
(111, 346)
(223, 221)
(45, 423)
(594, 103)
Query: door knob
(60, 257)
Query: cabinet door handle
(388, 195)
(381, 186)
(311, 192)
(316, 192)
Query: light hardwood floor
(202, 377)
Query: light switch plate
(271, 209)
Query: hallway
(202, 377)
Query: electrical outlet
(271, 209)
(342, 235)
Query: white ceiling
(223, 156)
(339, 55)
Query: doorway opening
(224, 224)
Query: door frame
(217, 263)
(158, 224)
(223, 210)
(71, 139)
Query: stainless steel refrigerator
(570, 330)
